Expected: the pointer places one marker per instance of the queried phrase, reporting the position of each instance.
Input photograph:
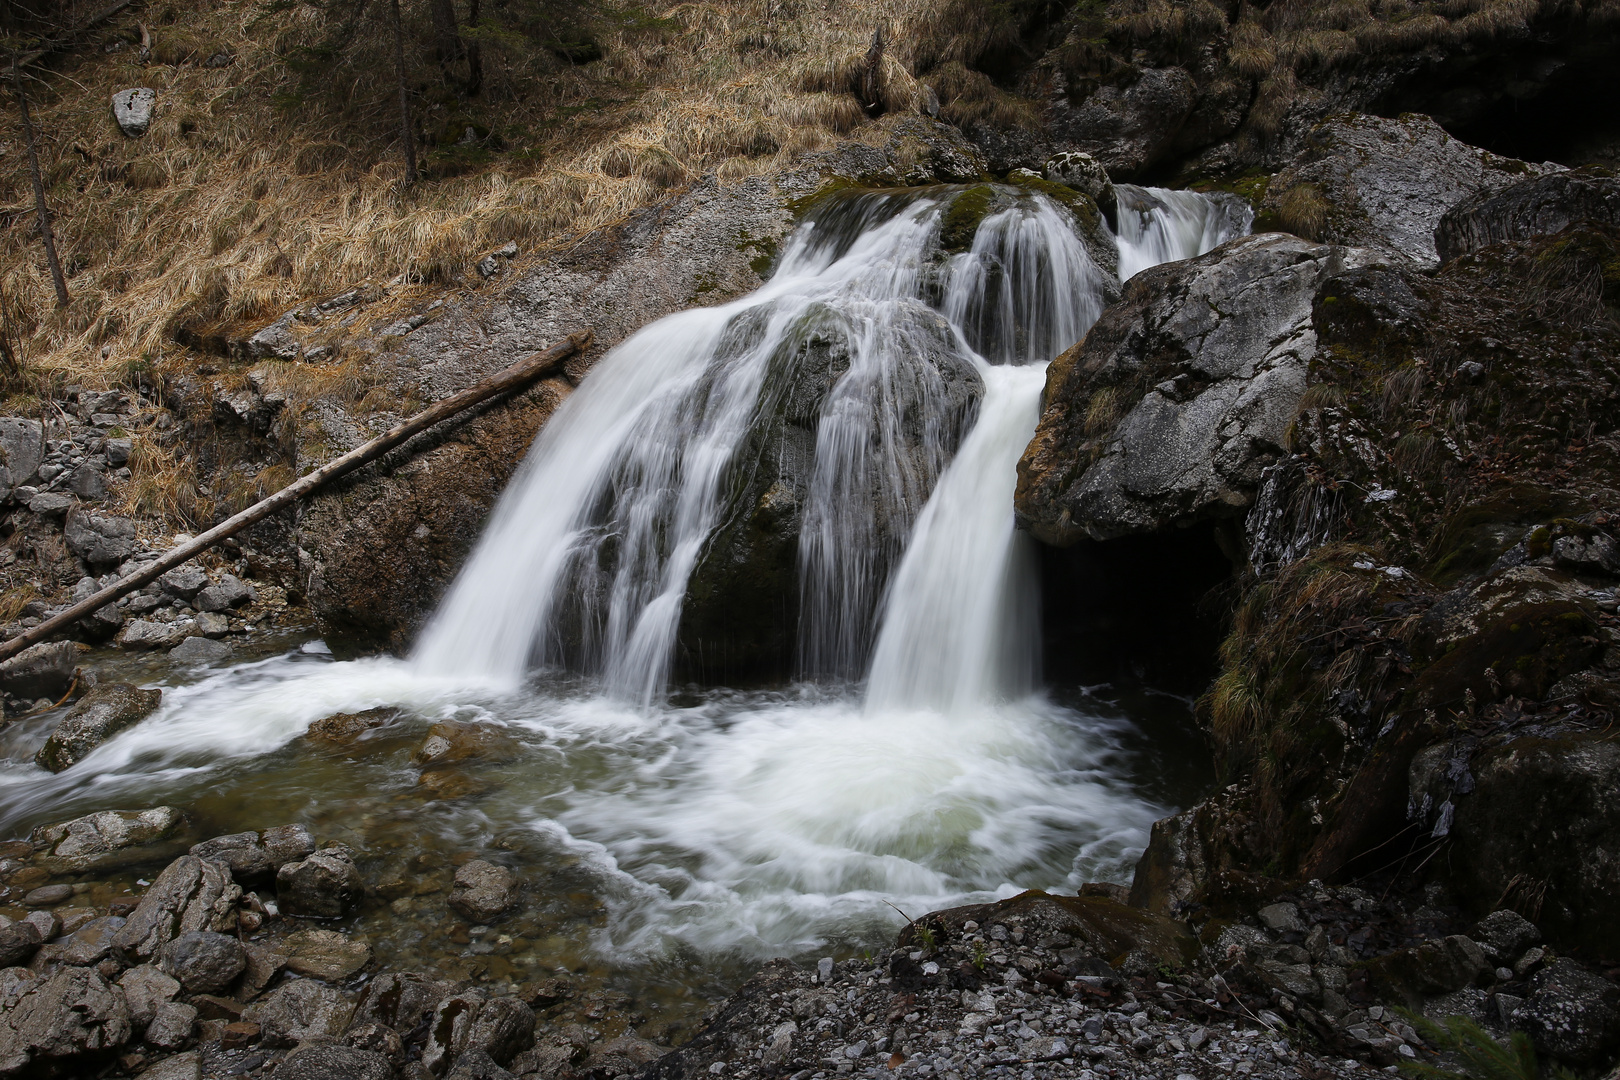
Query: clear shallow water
(671, 838)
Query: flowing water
(671, 836)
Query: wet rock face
(1175, 402)
(107, 840)
(190, 895)
(64, 1020)
(1127, 128)
(1536, 207)
(99, 715)
(1384, 184)
(254, 858)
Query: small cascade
(1159, 226)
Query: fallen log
(518, 375)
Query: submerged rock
(109, 839)
(99, 715)
(483, 890)
(325, 954)
(343, 729)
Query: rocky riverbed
(236, 959)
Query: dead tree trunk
(44, 213)
(407, 136)
(511, 378)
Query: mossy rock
(1473, 538)
(1522, 653)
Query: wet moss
(962, 219)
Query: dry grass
(233, 208)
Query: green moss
(801, 207)
(1079, 202)
(963, 217)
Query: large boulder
(108, 839)
(254, 857)
(1572, 1013)
(1169, 410)
(1535, 207)
(69, 1020)
(191, 894)
(98, 716)
(1384, 184)
(43, 670)
(400, 1001)
(300, 1011)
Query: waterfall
(899, 350)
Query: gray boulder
(51, 504)
(102, 540)
(89, 944)
(200, 650)
(89, 481)
(99, 715)
(22, 444)
(483, 890)
(171, 1025)
(503, 1030)
(276, 341)
(190, 894)
(254, 858)
(133, 108)
(107, 840)
(477, 1065)
(70, 1017)
(1571, 1013)
(1535, 207)
(325, 885)
(1384, 184)
(1169, 410)
(228, 593)
(1505, 935)
(185, 581)
(335, 1063)
(142, 634)
(1082, 172)
(118, 451)
(205, 962)
(146, 989)
(299, 1011)
(43, 670)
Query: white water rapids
(919, 764)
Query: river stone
(43, 670)
(504, 1028)
(133, 108)
(46, 922)
(69, 1015)
(205, 962)
(325, 954)
(102, 540)
(1535, 207)
(400, 1001)
(1205, 362)
(335, 1063)
(254, 858)
(106, 840)
(483, 890)
(1571, 1013)
(22, 443)
(1384, 184)
(171, 1025)
(228, 593)
(99, 715)
(200, 650)
(89, 943)
(1082, 172)
(378, 1039)
(187, 1066)
(449, 1030)
(191, 894)
(342, 729)
(325, 885)
(211, 624)
(18, 942)
(451, 741)
(148, 634)
(145, 989)
(184, 581)
(48, 895)
(300, 1010)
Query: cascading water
(1158, 226)
(907, 376)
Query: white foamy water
(927, 769)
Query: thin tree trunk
(39, 188)
(475, 57)
(447, 47)
(405, 132)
